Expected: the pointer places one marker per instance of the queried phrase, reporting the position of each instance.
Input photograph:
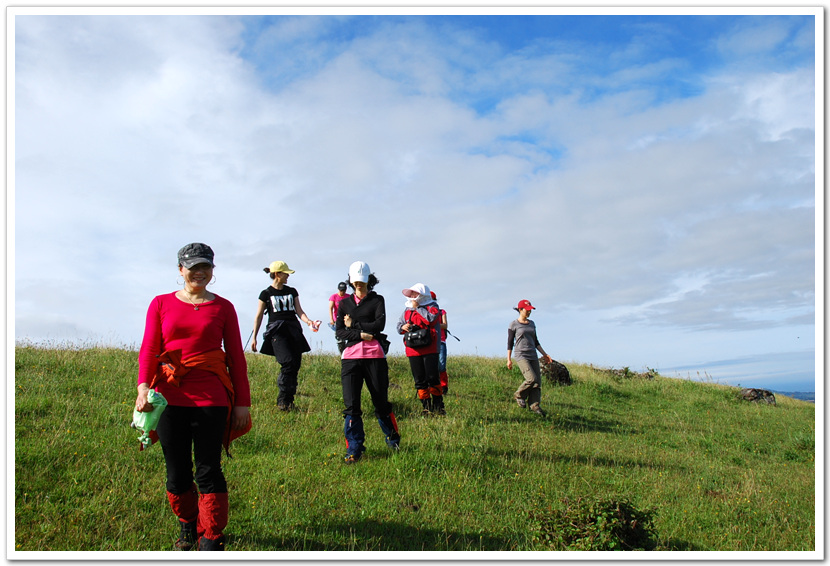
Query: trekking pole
(453, 335)
(249, 341)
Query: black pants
(375, 373)
(425, 371)
(290, 362)
(193, 433)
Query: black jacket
(369, 316)
(290, 341)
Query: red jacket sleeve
(150, 344)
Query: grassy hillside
(621, 460)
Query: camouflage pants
(531, 388)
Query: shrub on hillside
(626, 373)
(555, 372)
(598, 525)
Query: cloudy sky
(647, 181)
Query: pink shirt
(172, 324)
(363, 349)
(336, 298)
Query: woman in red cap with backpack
(522, 343)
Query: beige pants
(531, 388)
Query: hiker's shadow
(676, 544)
(379, 536)
(577, 459)
(554, 421)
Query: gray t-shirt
(521, 338)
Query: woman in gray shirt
(523, 342)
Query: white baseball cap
(359, 271)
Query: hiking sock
(389, 426)
(355, 435)
(185, 505)
(213, 515)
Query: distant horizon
(317, 348)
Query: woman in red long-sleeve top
(207, 390)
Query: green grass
(712, 472)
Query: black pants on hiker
(189, 434)
(425, 371)
(290, 361)
(375, 373)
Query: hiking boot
(212, 544)
(187, 537)
(438, 405)
(538, 410)
(521, 402)
(393, 441)
(352, 458)
(287, 407)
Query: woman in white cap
(283, 337)
(361, 318)
(422, 314)
(207, 391)
(523, 343)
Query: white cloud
(754, 38)
(782, 102)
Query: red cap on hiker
(525, 304)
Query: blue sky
(648, 182)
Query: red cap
(525, 304)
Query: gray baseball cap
(194, 254)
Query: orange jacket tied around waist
(172, 368)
